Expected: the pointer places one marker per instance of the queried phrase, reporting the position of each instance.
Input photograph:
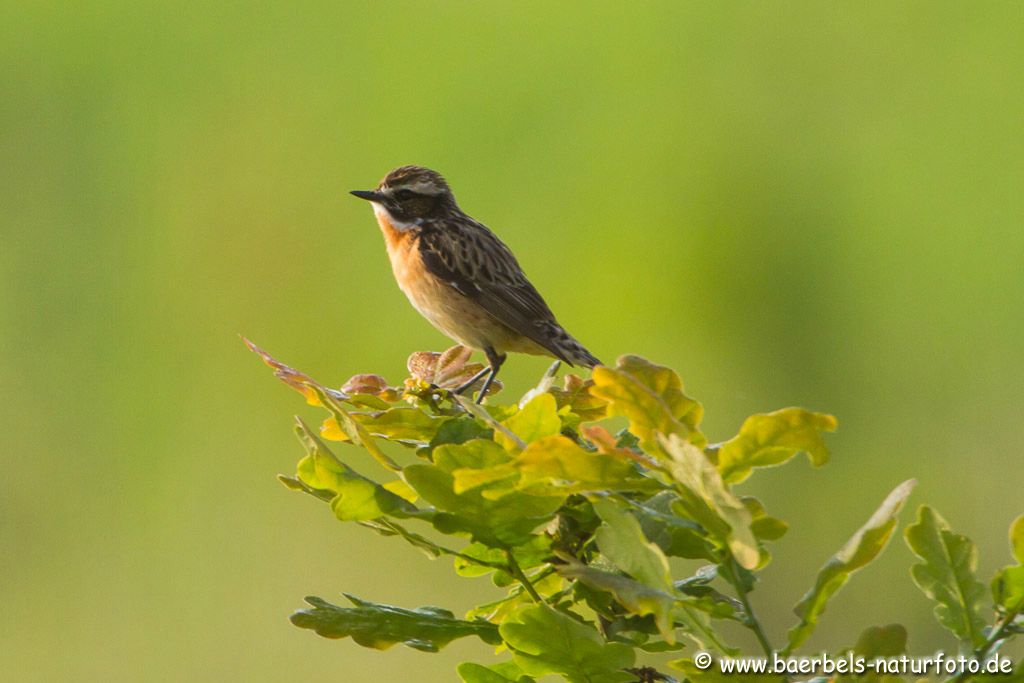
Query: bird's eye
(403, 194)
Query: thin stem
(395, 529)
(543, 574)
(554, 598)
(751, 622)
(467, 558)
(478, 411)
(994, 639)
(517, 572)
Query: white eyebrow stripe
(424, 187)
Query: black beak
(368, 195)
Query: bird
(462, 278)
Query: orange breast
(406, 263)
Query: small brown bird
(461, 277)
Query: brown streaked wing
(478, 265)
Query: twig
(517, 572)
(396, 529)
(751, 622)
(480, 412)
(473, 560)
(993, 641)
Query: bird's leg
(495, 359)
(473, 380)
(487, 384)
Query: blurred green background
(791, 203)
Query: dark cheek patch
(420, 206)
(398, 212)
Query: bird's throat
(396, 233)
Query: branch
(992, 643)
(751, 622)
(517, 572)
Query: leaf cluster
(582, 502)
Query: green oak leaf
(863, 547)
(1017, 539)
(459, 430)
(497, 611)
(622, 542)
(505, 672)
(638, 598)
(528, 555)
(877, 642)
(676, 536)
(356, 432)
(503, 523)
(405, 424)
(773, 438)
(706, 499)
(707, 598)
(296, 484)
(474, 454)
(764, 526)
(1008, 584)
(651, 397)
(356, 498)
(882, 641)
(946, 575)
(558, 464)
(535, 420)
(544, 641)
(491, 417)
(381, 626)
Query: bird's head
(410, 194)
